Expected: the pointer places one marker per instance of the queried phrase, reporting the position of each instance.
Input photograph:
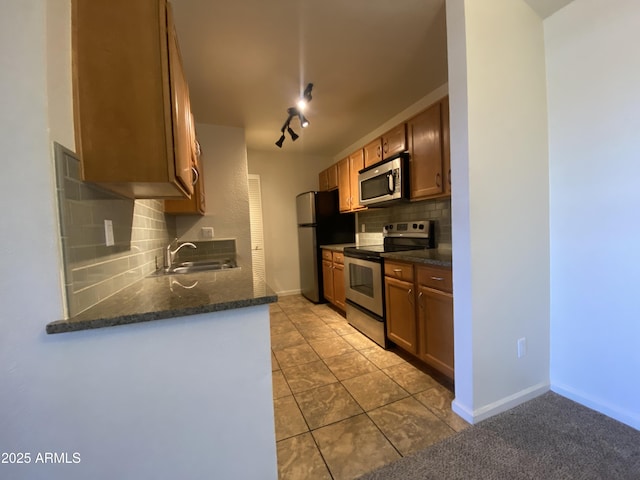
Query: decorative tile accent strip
(94, 271)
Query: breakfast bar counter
(157, 297)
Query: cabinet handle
(385, 147)
(420, 300)
(379, 152)
(438, 181)
(398, 272)
(196, 175)
(449, 177)
(437, 279)
(410, 296)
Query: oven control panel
(414, 229)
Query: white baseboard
(287, 293)
(599, 405)
(507, 403)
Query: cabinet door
(344, 185)
(332, 177)
(425, 148)
(446, 149)
(373, 152)
(356, 163)
(193, 205)
(180, 109)
(435, 329)
(323, 181)
(339, 295)
(401, 317)
(394, 141)
(327, 280)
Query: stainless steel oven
(365, 294)
(364, 275)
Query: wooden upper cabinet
(389, 144)
(356, 163)
(328, 178)
(348, 169)
(181, 114)
(196, 204)
(425, 150)
(131, 100)
(394, 141)
(373, 152)
(446, 145)
(344, 185)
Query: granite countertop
(167, 296)
(439, 257)
(338, 247)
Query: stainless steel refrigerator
(319, 223)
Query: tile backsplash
(374, 219)
(222, 249)
(92, 270)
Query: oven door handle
(371, 258)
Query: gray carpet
(547, 438)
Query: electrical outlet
(108, 233)
(206, 233)
(522, 347)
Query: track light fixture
(296, 112)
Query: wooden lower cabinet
(327, 280)
(401, 317)
(339, 294)
(435, 329)
(333, 278)
(419, 308)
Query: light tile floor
(343, 405)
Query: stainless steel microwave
(384, 182)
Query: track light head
(280, 141)
(294, 135)
(304, 123)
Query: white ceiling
(247, 61)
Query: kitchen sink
(197, 266)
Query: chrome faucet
(170, 255)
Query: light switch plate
(108, 233)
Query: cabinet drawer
(338, 257)
(439, 278)
(401, 271)
(327, 255)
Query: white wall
(499, 205)
(142, 401)
(224, 158)
(594, 121)
(282, 177)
